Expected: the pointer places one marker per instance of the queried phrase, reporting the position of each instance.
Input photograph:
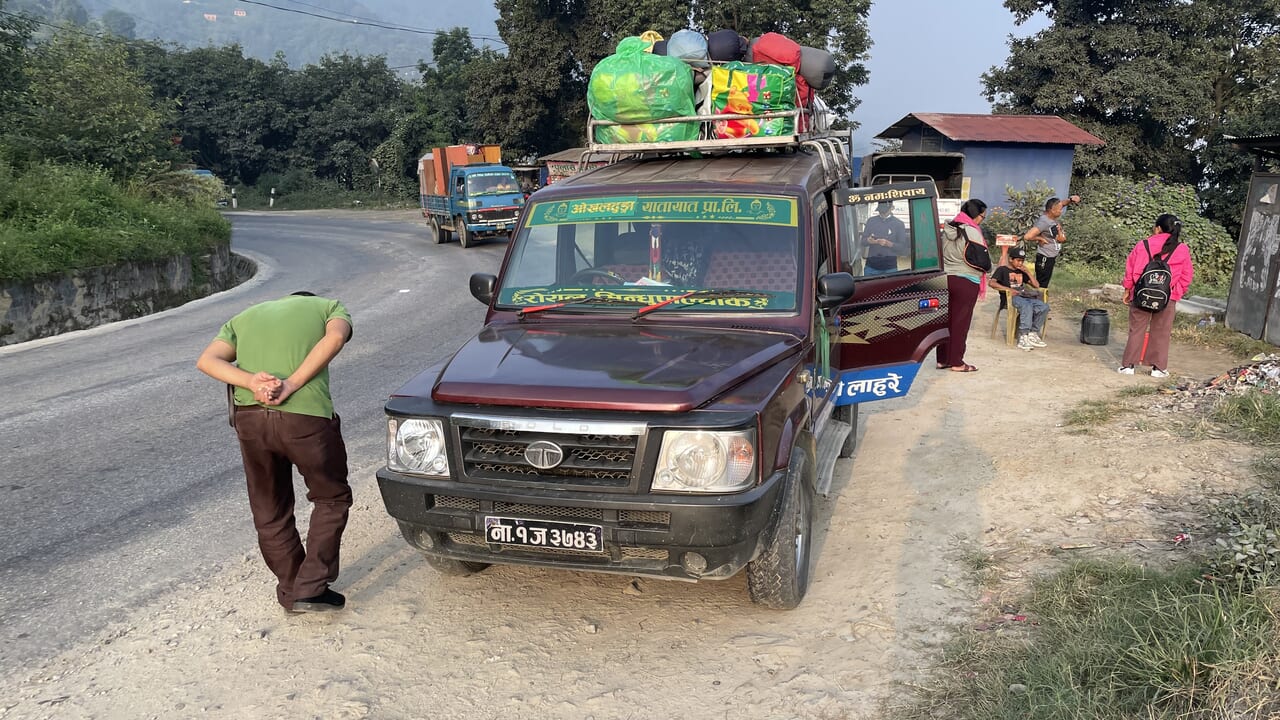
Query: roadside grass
(1253, 415)
(980, 564)
(57, 218)
(1112, 640)
(1267, 468)
(1088, 415)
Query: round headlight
(420, 446)
(697, 460)
(705, 461)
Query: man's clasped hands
(269, 389)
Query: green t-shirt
(275, 336)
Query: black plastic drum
(1095, 327)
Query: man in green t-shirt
(276, 354)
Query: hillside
(265, 27)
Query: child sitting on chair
(1025, 294)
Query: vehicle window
(884, 237)
(491, 183)
(826, 242)
(924, 238)
(660, 247)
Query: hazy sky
(909, 71)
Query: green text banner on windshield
(757, 209)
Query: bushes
(1116, 213)
(56, 218)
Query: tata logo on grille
(544, 454)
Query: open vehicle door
(888, 238)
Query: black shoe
(327, 601)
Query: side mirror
(483, 286)
(833, 289)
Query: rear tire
(779, 578)
(849, 414)
(455, 568)
(439, 234)
(464, 236)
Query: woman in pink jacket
(1149, 332)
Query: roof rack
(833, 147)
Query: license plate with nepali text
(544, 534)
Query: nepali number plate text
(544, 534)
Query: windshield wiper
(577, 301)
(700, 295)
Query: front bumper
(503, 224)
(643, 535)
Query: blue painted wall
(992, 167)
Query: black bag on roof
(726, 45)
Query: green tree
(1227, 168)
(232, 116)
(119, 23)
(446, 95)
(15, 32)
(345, 106)
(84, 104)
(1156, 79)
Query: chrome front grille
(594, 459)
(503, 215)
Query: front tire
(455, 568)
(464, 236)
(779, 578)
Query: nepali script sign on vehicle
(882, 383)
(756, 209)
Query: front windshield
(491, 183)
(648, 249)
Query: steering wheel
(589, 273)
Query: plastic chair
(1011, 318)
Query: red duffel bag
(777, 49)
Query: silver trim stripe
(565, 427)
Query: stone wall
(91, 297)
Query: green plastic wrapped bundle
(647, 132)
(634, 86)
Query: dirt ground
(976, 463)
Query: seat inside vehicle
(628, 257)
(752, 258)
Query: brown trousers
(271, 444)
(1157, 329)
(962, 296)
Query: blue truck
(465, 189)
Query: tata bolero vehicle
(672, 360)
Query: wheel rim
(801, 540)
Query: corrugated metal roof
(1261, 145)
(1264, 140)
(1048, 129)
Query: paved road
(117, 468)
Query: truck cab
(674, 353)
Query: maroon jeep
(672, 361)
